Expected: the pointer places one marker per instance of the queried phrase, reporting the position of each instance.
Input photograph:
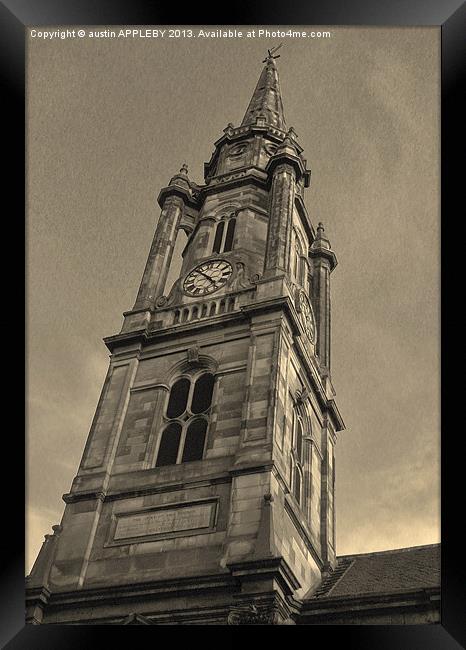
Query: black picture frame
(450, 15)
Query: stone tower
(205, 492)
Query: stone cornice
(283, 302)
(376, 601)
(236, 178)
(75, 497)
(289, 159)
(37, 595)
(178, 191)
(233, 134)
(326, 254)
(273, 567)
(145, 490)
(107, 595)
(146, 336)
(251, 469)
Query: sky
(110, 121)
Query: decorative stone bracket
(250, 614)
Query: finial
(287, 139)
(321, 246)
(181, 179)
(287, 145)
(270, 56)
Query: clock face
(207, 277)
(307, 316)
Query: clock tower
(205, 493)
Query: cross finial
(270, 56)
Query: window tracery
(186, 419)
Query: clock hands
(206, 276)
(216, 272)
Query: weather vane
(271, 53)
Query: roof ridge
(388, 551)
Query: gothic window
(302, 268)
(186, 420)
(308, 276)
(298, 263)
(300, 459)
(297, 458)
(230, 235)
(224, 235)
(218, 237)
(331, 492)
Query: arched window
(178, 398)
(296, 261)
(230, 235)
(298, 265)
(308, 278)
(218, 237)
(186, 420)
(224, 235)
(302, 271)
(298, 458)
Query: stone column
(159, 260)
(327, 506)
(200, 245)
(321, 291)
(324, 261)
(281, 220)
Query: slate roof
(383, 572)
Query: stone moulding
(172, 508)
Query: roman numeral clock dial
(207, 278)
(307, 316)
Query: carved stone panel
(155, 523)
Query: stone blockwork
(241, 534)
(255, 364)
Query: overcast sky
(111, 120)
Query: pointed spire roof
(266, 100)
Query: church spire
(266, 100)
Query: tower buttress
(324, 261)
(172, 201)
